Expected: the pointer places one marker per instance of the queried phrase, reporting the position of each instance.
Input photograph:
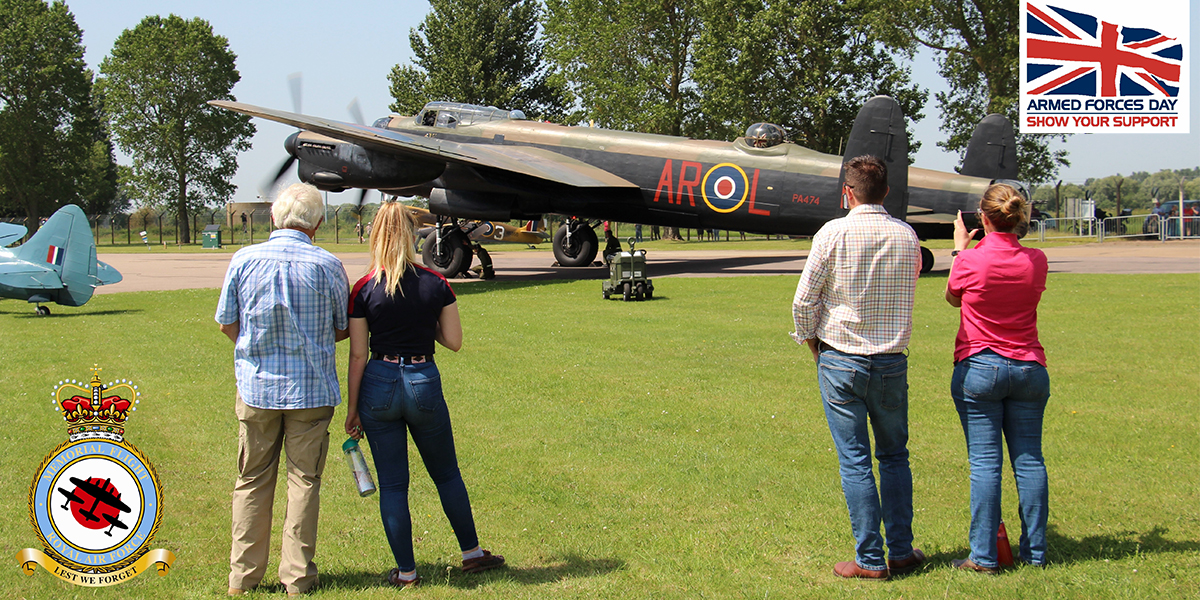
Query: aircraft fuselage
(785, 189)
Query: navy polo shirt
(402, 324)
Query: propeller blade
(362, 196)
(294, 81)
(356, 112)
(283, 169)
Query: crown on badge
(97, 411)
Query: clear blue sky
(345, 51)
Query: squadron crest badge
(95, 501)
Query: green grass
(667, 449)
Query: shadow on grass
(447, 574)
(87, 313)
(1066, 550)
(1063, 550)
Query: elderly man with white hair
(283, 305)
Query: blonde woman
(1000, 384)
(397, 311)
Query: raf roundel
(725, 187)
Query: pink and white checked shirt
(856, 292)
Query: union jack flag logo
(1071, 53)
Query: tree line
(1137, 191)
(709, 68)
(60, 122)
(698, 68)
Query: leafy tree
(978, 54)
(629, 62)
(46, 121)
(157, 83)
(482, 52)
(99, 179)
(807, 67)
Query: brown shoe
(967, 565)
(482, 563)
(393, 578)
(236, 591)
(851, 570)
(908, 565)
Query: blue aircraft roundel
(725, 187)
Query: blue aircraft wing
(10, 232)
(106, 274)
(30, 277)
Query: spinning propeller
(355, 111)
(295, 81)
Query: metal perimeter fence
(151, 227)
(1143, 227)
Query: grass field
(667, 449)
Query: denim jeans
(998, 396)
(856, 390)
(392, 398)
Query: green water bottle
(358, 467)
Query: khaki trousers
(304, 436)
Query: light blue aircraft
(58, 264)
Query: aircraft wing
(10, 232)
(106, 274)
(534, 162)
(30, 277)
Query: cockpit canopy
(764, 135)
(453, 114)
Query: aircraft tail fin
(992, 151)
(65, 245)
(879, 131)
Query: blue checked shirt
(288, 296)
(856, 292)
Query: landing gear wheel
(43, 311)
(452, 256)
(926, 260)
(626, 291)
(577, 249)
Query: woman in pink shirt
(1000, 385)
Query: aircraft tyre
(43, 311)
(926, 260)
(579, 250)
(454, 255)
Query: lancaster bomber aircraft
(475, 162)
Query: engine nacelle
(472, 205)
(335, 165)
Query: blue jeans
(998, 396)
(857, 389)
(395, 397)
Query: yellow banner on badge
(161, 559)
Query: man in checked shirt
(853, 309)
(284, 306)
